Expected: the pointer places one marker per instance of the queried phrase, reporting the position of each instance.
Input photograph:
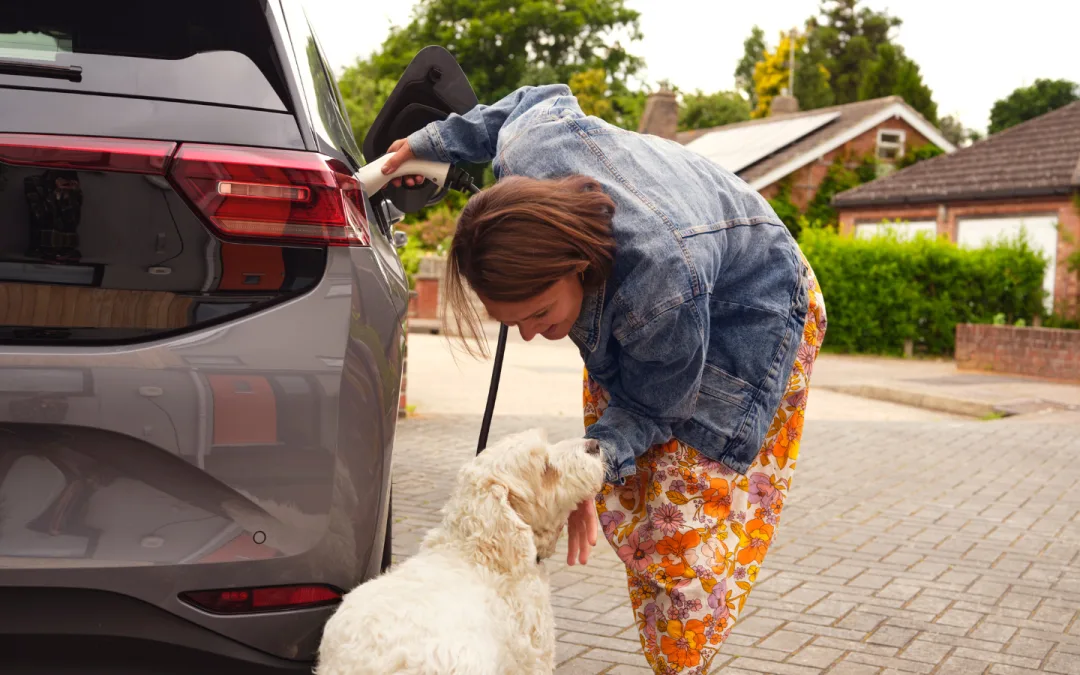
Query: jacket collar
(586, 330)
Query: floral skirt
(693, 533)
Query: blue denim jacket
(695, 334)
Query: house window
(890, 144)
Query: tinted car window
(208, 51)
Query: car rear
(200, 340)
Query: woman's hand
(402, 153)
(581, 530)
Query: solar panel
(737, 148)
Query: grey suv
(201, 334)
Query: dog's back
(431, 615)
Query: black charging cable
(459, 179)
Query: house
(1026, 177)
(796, 148)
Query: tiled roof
(1039, 157)
(851, 114)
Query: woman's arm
(473, 137)
(660, 366)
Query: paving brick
(815, 656)
(977, 578)
(959, 618)
(890, 663)
(564, 651)
(804, 596)
(832, 608)
(1058, 662)
(861, 621)
(582, 666)
(785, 641)
(996, 657)
(925, 651)
(892, 636)
(1030, 647)
(624, 669)
(994, 632)
(847, 667)
(772, 667)
(955, 665)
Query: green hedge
(880, 292)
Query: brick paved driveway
(906, 547)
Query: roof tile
(1039, 157)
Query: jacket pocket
(722, 386)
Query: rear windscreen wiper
(38, 69)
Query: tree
(704, 111)
(610, 101)
(849, 38)
(753, 51)
(772, 76)
(1027, 103)
(364, 93)
(955, 132)
(890, 73)
(505, 44)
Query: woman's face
(551, 313)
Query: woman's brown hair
(517, 238)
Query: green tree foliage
(918, 154)
(610, 101)
(843, 55)
(892, 73)
(703, 111)
(364, 93)
(883, 291)
(753, 51)
(1030, 102)
(838, 177)
(849, 36)
(954, 131)
(506, 44)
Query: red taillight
(85, 153)
(256, 193)
(247, 600)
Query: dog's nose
(592, 447)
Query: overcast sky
(970, 55)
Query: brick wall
(805, 181)
(1041, 352)
(1066, 286)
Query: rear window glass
(219, 51)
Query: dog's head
(513, 500)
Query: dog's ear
(503, 541)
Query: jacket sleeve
(664, 360)
(473, 137)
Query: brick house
(1027, 176)
(798, 147)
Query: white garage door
(904, 230)
(1041, 232)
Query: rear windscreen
(219, 51)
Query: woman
(698, 321)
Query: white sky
(970, 54)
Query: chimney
(661, 116)
(784, 104)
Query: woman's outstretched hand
(581, 529)
(402, 153)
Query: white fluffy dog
(475, 599)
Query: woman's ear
(503, 541)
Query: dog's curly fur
(474, 600)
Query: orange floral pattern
(694, 534)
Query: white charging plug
(373, 178)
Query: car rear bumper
(67, 630)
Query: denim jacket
(695, 333)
